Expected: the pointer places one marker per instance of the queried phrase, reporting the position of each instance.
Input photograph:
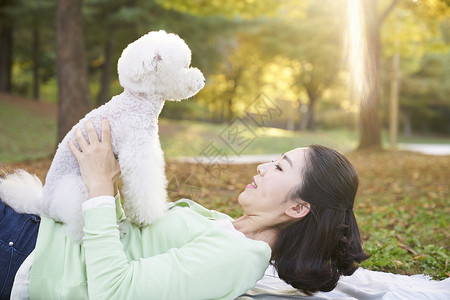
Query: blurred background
(370, 78)
(345, 73)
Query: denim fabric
(18, 234)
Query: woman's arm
(207, 265)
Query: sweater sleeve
(206, 267)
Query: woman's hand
(98, 166)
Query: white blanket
(363, 284)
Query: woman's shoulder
(199, 209)
(212, 230)
(187, 222)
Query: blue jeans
(18, 234)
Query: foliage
(230, 8)
(290, 49)
(419, 32)
(403, 211)
(31, 48)
(415, 28)
(292, 58)
(425, 94)
(311, 49)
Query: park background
(366, 77)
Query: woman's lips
(253, 185)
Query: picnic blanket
(363, 284)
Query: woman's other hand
(98, 166)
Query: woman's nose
(258, 169)
(261, 168)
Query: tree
(370, 127)
(231, 8)
(73, 90)
(237, 78)
(424, 95)
(112, 26)
(425, 11)
(28, 53)
(318, 62)
(312, 43)
(6, 44)
(415, 32)
(38, 15)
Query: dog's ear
(137, 65)
(156, 59)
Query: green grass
(417, 139)
(407, 237)
(403, 213)
(23, 135)
(189, 138)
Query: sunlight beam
(356, 51)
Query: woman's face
(266, 195)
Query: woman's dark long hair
(312, 253)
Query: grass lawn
(188, 138)
(31, 133)
(401, 207)
(402, 204)
(24, 134)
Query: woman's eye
(277, 166)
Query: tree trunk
(407, 131)
(103, 95)
(35, 51)
(370, 129)
(230, 109)
(393, 111)
(304, 122)
(303, 115)
(6, 43)
(290, 123)
(311, 108)
(232, 93)
(221, 116)
(73, 90)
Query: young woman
(298, 215)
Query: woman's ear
(298, 210)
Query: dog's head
(159, 63)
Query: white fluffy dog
(151, 70)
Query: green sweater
(182, 256)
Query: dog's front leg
(144, 181)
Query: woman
(298, 214)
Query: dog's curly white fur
(151, 70)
